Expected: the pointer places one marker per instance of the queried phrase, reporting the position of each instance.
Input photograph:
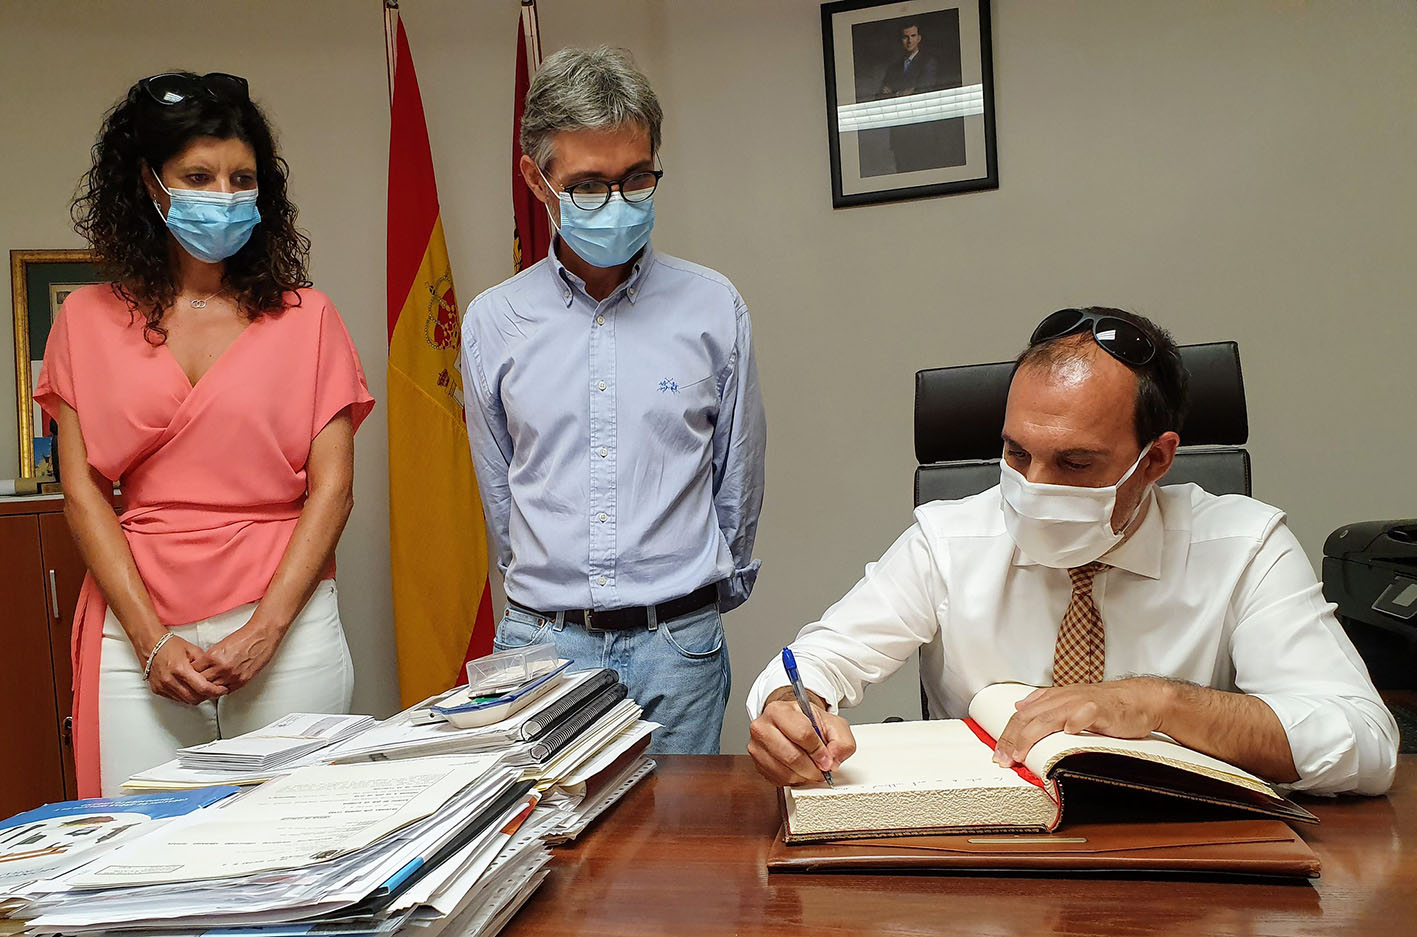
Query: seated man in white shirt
(1138, 608)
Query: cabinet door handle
(53, 596)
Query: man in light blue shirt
(614, 415)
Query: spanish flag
(437, 541)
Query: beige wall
(1235, 170)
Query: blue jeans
(676, 669)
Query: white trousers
(137, 729)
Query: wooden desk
(682, 855)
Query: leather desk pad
(1223, 847)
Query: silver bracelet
(148, 667)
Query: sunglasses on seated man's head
(1118, 337)
(172, 88)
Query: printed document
(309, 816)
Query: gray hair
(587, 89)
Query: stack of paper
(596, 785)
(374, 848)
(406, 735)
(408, 826)
(582, 746)
(284, 741)
(572, 735)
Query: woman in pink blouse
(223, 394)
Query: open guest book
(939, 776)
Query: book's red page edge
(989, 740)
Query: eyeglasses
(1118, 337)
(593, 194)
(173, 88)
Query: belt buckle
(588, 625)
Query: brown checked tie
(1082, 645)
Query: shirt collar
(1140, 553)
(569, 282)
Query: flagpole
(391, 31)
(533, 36)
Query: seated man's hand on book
(1122, 709)
(787, 751)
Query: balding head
(1070, 420)
(1160, 402)
(1078, 390)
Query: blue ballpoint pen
(790, 664)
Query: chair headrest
(959, 411)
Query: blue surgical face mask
(211, 226)
(608, 236)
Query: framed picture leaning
(910, 99)
(40, 281)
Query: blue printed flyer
(55, 838)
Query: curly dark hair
(114, 212)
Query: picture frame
(40, 281)
(910, 99)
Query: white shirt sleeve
(1290, 651)
(865, 637)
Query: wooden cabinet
(41, 570)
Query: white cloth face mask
(1062, 526)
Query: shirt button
(601, 385)
(599, 320)
(632, 291)
(602, 580)
(604, 452)
(566, 295)
(602, 517)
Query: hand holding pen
(791, 743)
(790, 664)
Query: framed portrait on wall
(910, 99)
(40, 281)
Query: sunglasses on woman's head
(1118, 337)
(172, 88)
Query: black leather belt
(628, 619)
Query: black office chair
(959, 413)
